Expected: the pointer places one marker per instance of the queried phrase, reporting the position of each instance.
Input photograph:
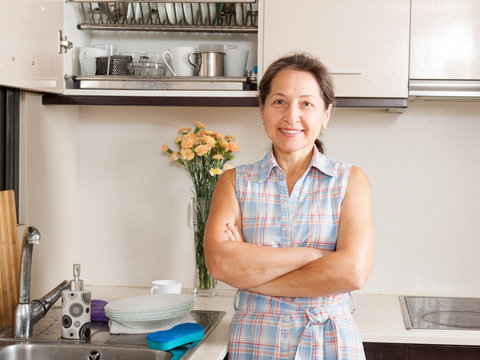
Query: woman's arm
(349, 266)
(237, 263)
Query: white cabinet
(364, 43)
(445, 41)
(29, 55)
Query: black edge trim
(349, 102)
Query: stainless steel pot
(208, 63)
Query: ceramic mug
(86, 57)
(179, 60)
(235, 61)
(166, 287)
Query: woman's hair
(300, 62)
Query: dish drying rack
(228, 16)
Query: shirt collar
(319, 161)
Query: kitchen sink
(47, 343)
(424, 312)
(40, 351)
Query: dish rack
(161, 15)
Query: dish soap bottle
(76, 304)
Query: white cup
(235, 61)
(179, 60)
(86, 57)
(110, 48)
(166, 287)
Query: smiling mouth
(290, 131)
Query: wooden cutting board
(9, 258)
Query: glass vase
(204, 283)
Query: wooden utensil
(9, 258)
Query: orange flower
(218, 135)
(224, 144)
(202, 149)
(174, 156)
(199, 124)
(231, 137)
(218, 157)
(187, 154)
(184, 129)
(233, 146)
(208, 140)
(188, 140)
(165, 147)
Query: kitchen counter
(379, 318)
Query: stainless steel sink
(47, 343)
(423, 312)
(41, 351)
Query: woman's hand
(233, 233)
(348, 267)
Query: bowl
(147, 69)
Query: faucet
(28, 313)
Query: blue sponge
(177, 336)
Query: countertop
(378, 317)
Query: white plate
(239, 14)
(179, 12)
(204, 14)
(149, 314)
(156, 302)
(170, 13)
(153, 324)
(190, 12)
(213, 11)
(162, 13)
(209, 12)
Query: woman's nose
(292, 114)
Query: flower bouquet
(204, 155)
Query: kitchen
(96, 184)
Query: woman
(293, 231)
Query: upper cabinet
(445, 49)
(363, 43)
(445, 41)
(31, 34)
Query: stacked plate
(150, 311)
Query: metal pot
(209, 63)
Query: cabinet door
(364, 43)
(29, 55)
(445, 41)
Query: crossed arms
(291, 271)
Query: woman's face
(294, 112)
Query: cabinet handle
(346, 72)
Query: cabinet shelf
(160, 15)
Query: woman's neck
(293, 164)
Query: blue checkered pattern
(269, 327)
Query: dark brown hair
(300, 62)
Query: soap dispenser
(76, 305)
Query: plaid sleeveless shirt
(272, 327)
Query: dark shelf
(341, 102)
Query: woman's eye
(307, 104)
(278, 102)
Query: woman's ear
(326, 116)
(261, 110)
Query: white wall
(104, 176)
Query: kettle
(209, 63)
